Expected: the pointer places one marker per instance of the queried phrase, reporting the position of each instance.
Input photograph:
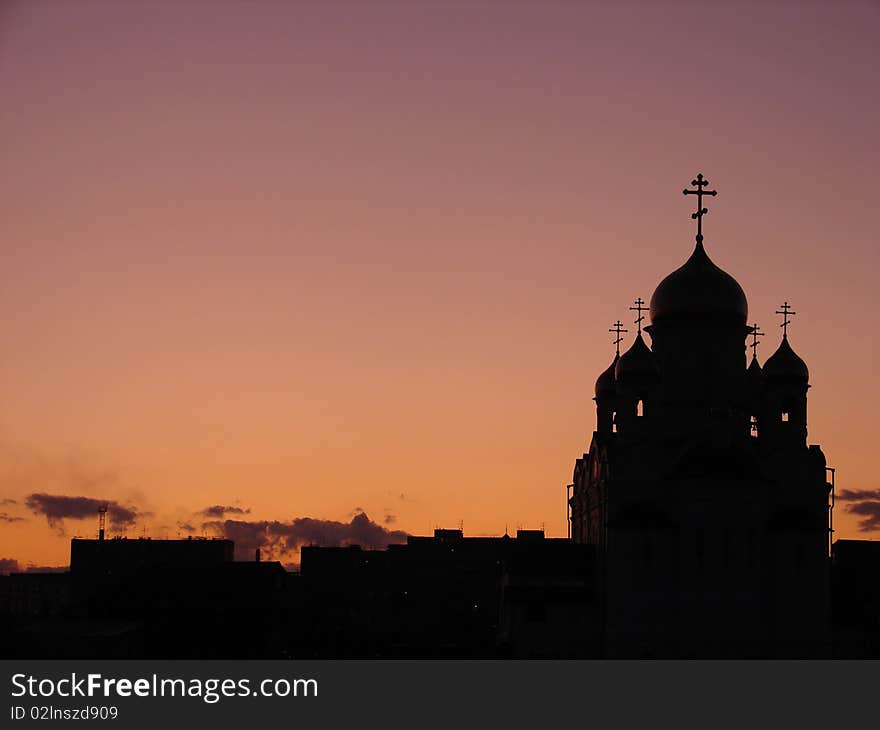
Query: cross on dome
(640, 307)
(617, 328)
(700, 183)
(785, 311)
(755, 334)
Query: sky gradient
(308, 259)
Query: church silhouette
(700, 527)
(709, 513)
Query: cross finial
(785, 311)
(617, 328)
(755, 334)
(701, 211)
(640, 307)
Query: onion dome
(754, 375)
(605, 382)
(637, 362)
(754, 372)
(784, 364)
(699, 290)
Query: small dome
(785, 363)
(605, 382)
(699, 290)
(637, 361)
(754, 374)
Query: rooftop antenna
(785, 311)
(640, 307)
(102, 521)
(617, 328)
(700, 183)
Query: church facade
(708, 511)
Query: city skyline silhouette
(700, 525)
(340, 276)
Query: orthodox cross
(617, 329)
(755, 334)
(701, 211)
(640, 307)
(785, 311)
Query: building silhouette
(709, 512)
(449, 595)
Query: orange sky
(305, 258)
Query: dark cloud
(219, 511)
(857, 495)
(6, 517)
(8, 565)
(865, 503)
(390, 519)
(6, 502)
(870, 511)
(279, 539)
(56, 508)
(186, 527)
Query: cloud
(56, 508)
(9, 565)
(279, 539)
(186, 526)
(75, 470)
(857, 495)
(389, 519)
(6, 517)
(219, 511)
(870, 511)
(5, 502)
(865, 503)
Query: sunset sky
(307, 259)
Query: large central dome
(699, 290)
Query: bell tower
(606, 389)
(786, 380)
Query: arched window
(640, 408)
(614, 422)
(786, 416)
(753, 426)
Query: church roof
(699, 290)
(754, 376)
(754, 371)
(785, 363)
(637, 360)
(605, 382)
